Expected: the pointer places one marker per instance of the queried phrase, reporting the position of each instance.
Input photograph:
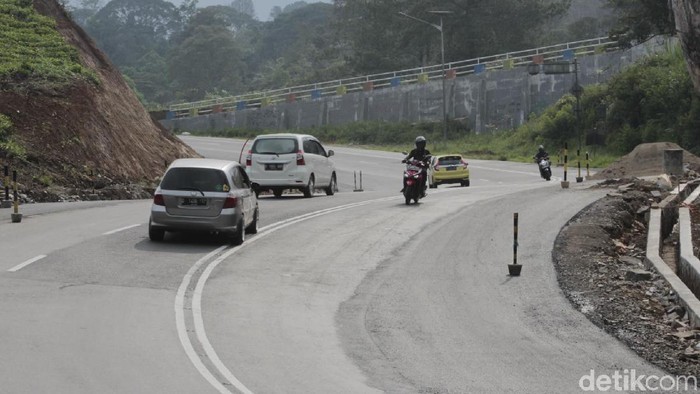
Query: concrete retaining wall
(688, 277)
(688, 264)
(498, 99)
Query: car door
(313, 160)
(325, 163)
(321, 168)
(244, 192)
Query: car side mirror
(331, 153)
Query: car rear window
(196, 179)
(449, 160)
(277, 146)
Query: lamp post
(577, 91)
(442, 52)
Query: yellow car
(448, 169)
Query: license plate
(451, 168)
(273, 167)
(197, 202)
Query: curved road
(354, 293)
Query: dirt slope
(86, 136)
(645, 160)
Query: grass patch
(33, 50)
(519, 146)
(9, 146)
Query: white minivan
(276, 162)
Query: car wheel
(310, 188)
(238, 237)
(330, 190)
(155, 234)
(465, 183)
(253, 226)
(277, 192)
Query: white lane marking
(26, 263)
(182, 329)
(199, 289)
(120, 229)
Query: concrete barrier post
(565, 182)
(16, 216)
(6, 203)
(588, 165)
(515, 268)
(579, 178)
(356, 188)
(673, 161)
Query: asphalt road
(354, 293)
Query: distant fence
(565, 51)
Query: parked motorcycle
(414, 177)
(545, 168)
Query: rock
(685, 334)
(638, 275)
(631, 261)
(664, 183)
(656, 194)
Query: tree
(84, 11)
(244, 7)
(640, 20)
(299, 46)
(380, 39)
(275, 12)
(687, 21)
(129, 29)
(150, 79)
(219, 35)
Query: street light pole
(442, 52)
(578, 91)
(444, 77)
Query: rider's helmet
(541, 148)
(420, 142)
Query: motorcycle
(545, 168)
(414, 176)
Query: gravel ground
(599, 261)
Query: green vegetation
(7, 141)
(33, 50)
(651, 101)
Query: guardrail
(565, 51)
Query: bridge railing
(558, 52)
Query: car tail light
(300, 158)
(249, 159)
(230, 202)
(158, 200)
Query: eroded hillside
(73, 132)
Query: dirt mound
(645, 160)
(87, 134)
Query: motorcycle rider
(541, 154)
(420, 154)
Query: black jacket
(540, 155)
(418, 154)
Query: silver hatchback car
(204, 195)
